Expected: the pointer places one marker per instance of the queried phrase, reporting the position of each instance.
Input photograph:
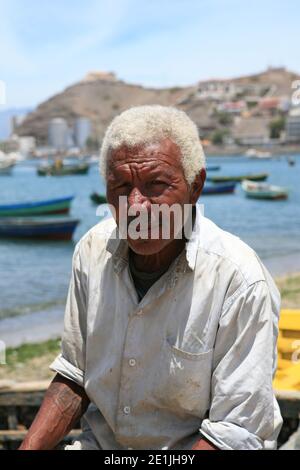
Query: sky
(47, 45)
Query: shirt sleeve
(244, 413)
(71, 362)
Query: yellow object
(288, 370)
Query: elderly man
(169, 342)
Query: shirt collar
(118, 247)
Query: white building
(58, 134)
(82, 131)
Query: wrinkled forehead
(163, 152)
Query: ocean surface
(34, 276)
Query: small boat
(258, 155)
(63, 169)
(238, 178)
(291, 161)
(51, 206)
(38, 228)
(226, 188)
(98, 198)
(213, 168)
(7, 162)
(264, 191)
(6, 167)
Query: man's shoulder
(96, 238)
(231, 251)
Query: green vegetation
(224, 119)
(276, 126)
(174, 89)
(26, 352)
(217, 136)
(290, 291)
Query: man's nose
(136, 198)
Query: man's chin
(147, 247)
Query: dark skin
(64, 404)
(146, 175)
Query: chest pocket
(183, 380)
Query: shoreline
(30, 360)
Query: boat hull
(54, 206)
(273, 197)
(228, 179)
(226, 188)
(98, 198)
(38, 229)
(67, 170)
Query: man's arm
(204, 444)
(64, 404)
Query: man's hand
(204, 444)
(64, 404)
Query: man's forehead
(163, 151)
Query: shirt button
(132, 362)
(127, 410)
(140, 312)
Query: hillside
(100, 96)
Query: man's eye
(122, 186)
(157, 182)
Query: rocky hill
(100, 96)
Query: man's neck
(161, 260)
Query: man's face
(148, 175)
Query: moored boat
(51, 206)
(6, 167)
(63, 170)
(38, 228)
(213, 168)
(225, 188)
(238, 178)
(264, 191)
(98, 198)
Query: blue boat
(226, 188)
(38, 228)
(213, 168)
(25, 209)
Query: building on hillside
(232, 107)
(82, 131)
(58, 134)
(251, 131)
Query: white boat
(259, 155)
(264, 190)
(6, 164)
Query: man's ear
(197, 186)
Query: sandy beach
(31, 361)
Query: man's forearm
(64, 404)
(204, 444)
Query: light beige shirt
(195, 356)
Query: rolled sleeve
(67, 370)
(244, 413)
(71, 362)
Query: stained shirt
(195, 357)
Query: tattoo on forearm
(63, 405)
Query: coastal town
(260, 113)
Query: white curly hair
(144, 125)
